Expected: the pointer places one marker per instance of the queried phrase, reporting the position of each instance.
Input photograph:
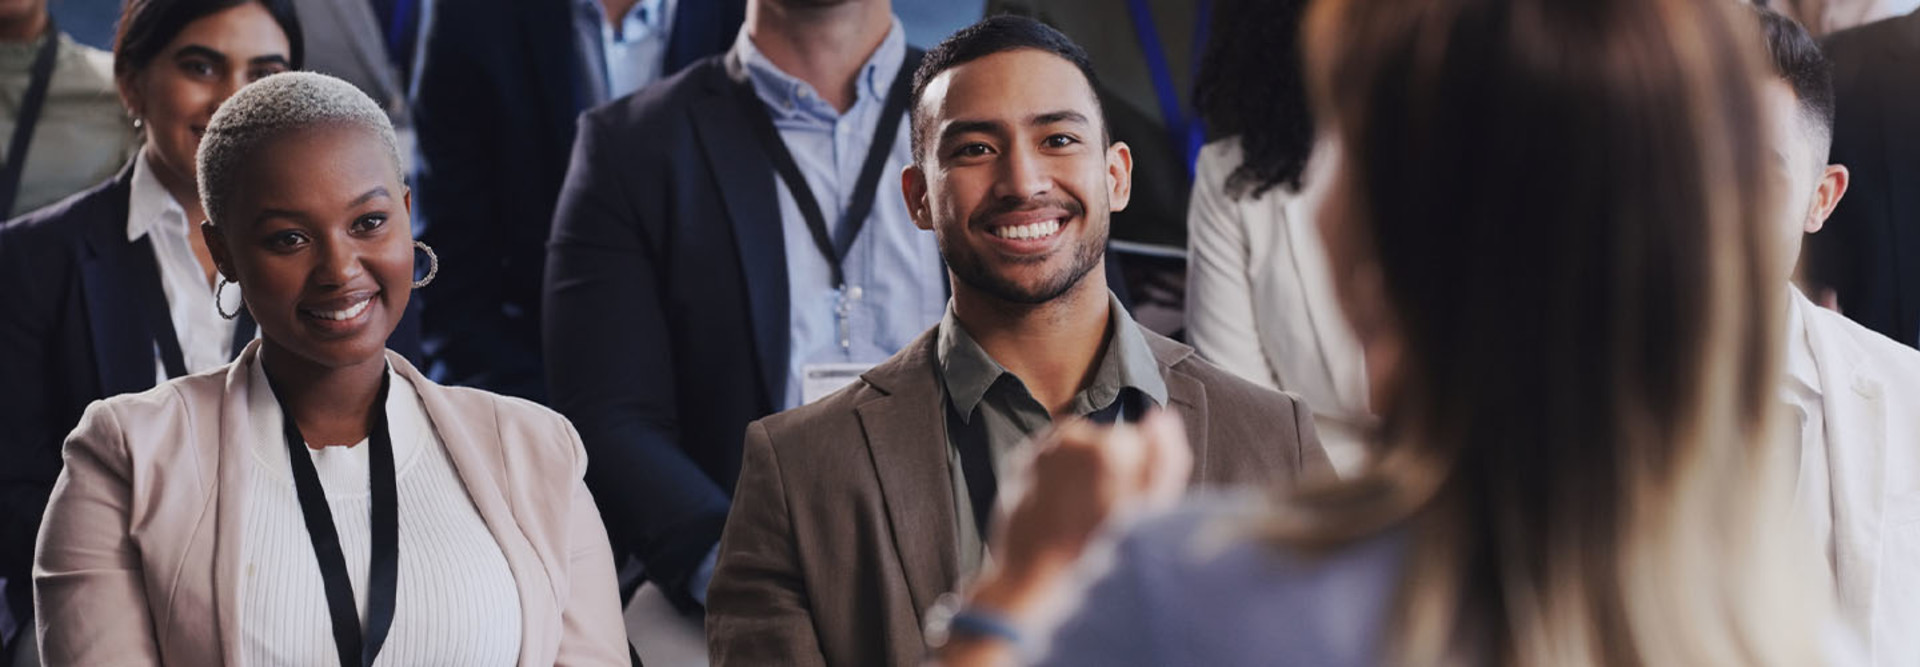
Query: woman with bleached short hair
(318, 501)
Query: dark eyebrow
(960, 127)
(275, 59)
(1052, 117)
(201, 51)
(370, 195)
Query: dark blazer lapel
(119, 279)
(744, 173)
(907, 439)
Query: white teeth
(1037, 230)
(338, 315)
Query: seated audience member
(256, 513)
(1260, 299)
(731, 243)
(853, 514)
(1867, 262)
(64, 129)
(1850, 390)
(499, 86)
(112, 290)
(1580, 463)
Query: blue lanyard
(1185, 133)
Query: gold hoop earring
(433, 265)
(218, 289)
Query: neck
(823, 46)
(617, 10)
(330, 405)
(180, 185)
(1052, 347)
(24, 28)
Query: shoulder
(70, 218)
(1225, 390)
(1873, 354)
(150, 424)
(822, 422)
(507, 414)
(664, 104)
(87, 67)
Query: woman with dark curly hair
(1259, 298)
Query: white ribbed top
(456, 603)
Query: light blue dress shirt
(623, 58)
(896, 284)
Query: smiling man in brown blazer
(853, 513)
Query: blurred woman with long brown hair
(1541, 226)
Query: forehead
(316, 165)
(245, 29)
(1008, 86)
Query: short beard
(969, 269)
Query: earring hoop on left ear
(433, 266)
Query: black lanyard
(154, 307)
(30, 106)
(383, 574)
(976, 455)
(855, 216)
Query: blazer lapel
(907, 439)
(119, 280)
(1856, 424)
(1185, 394)
(742, 169)
(230, 508)
(471, 443)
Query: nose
(339, 263)
(1023, 174)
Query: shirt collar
(1128, 362)
(651, 14)
(785, 95)
(150, 206)
(1802, 369)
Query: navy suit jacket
(1869, 251)
(494, 101)
(76, 292)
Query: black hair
(1797, 58)
(148, 26)
(990, 36)
(1251, 85)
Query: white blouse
(456, 603)
(206, 338)
(1260, 300)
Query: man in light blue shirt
(624, 55)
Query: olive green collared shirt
(980, 388)
(83, 136)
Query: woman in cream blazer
(319, 500)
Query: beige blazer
(1260, 299)
(1870, 391)
(138, 554)
(843, 534)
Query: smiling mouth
(341, 315)
(1029, 231)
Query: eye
(286, 240)
(367, 223)
(1060, 141)
(971, 150)
(197, 67)
(264, 71)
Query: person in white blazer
(1260, 299)
(1854, 391)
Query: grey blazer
(343, 39)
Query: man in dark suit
(1869, 254)
(854, 513)
(499, 85)
(687, 289)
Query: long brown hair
(1559, 198)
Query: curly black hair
(1251, 85)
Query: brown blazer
(842, 528)
(138, 556)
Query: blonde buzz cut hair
(272, 107)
